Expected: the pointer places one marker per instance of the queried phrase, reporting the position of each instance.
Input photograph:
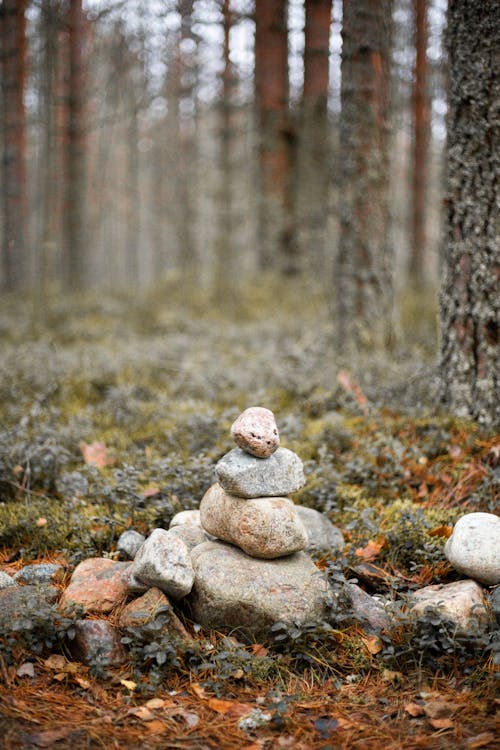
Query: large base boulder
(233, 590)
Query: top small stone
(255, 431)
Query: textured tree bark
(276, 233)
(470, 303)
(224, 278)
(363, 279)
(15, 205)
(76, 151)
(313, 142)
(421, 132)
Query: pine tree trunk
(470, 303)
(363, 279)
(421, 132)
(76, 157)
(15, 208)
(277, 247)
(313, 148)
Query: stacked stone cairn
(255, 573)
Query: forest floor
(113, 414)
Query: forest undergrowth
(113, 414)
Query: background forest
(213, 204)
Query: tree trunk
(421, 131)
(76, 146)
(224, 277)
(276, 240)
(15, 208)
(313, 147)
(363, 280)
(470, 304)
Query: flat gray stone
(248, 476)
(324, 538)
(474, 547)
(130, 542)
(265, 527)
(39, 573)
(16, 602)
(6, 580)
(462, 603)
(367, 609)
(163, 561)
(233, 590)
(255, 432)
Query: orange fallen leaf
(198, 690)
(480, 740)
(371, 550)
(373, 644)
(344, 379)
(414, 709)
(310, 704)
(49, 738)
(56, 662)
(41, 522)
(441, 723)
(259, 650)
(156, 726)
(219, 705)
(143, 713)
(151, 490)
(95, 454)
(440, 709)
(154, 703)
(443, 530)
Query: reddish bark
(15, 209)
(271, 85)
(421, 132)
(316, 49)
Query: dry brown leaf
(441, 723)
(219, 705)
(41, 522)
(373, 644)
(440, 709)
(310, 704)
(156, 726)
(480, 740)
(371, 550)
(95, 454)
(55, 662)
(83, 682)
(259, 650)
(154, 703)
(142, 712)
(414, 709)
(443, 530)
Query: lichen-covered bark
(13, 69)
(363, 278)
(470, 302)
(313, 146)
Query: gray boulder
(324, 537)
(6, 580)
(474, 547)
(244, 475)
(462, 603)
(265, 527)
(163, 561)
(130, 542)
(233, 590)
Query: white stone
(462, 603)
(248, 476)
(474, 547)
(6, 580)
(163, 561)
(129, 543)
(265, 527)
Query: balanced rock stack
(264, 577)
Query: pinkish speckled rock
(255, 431)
